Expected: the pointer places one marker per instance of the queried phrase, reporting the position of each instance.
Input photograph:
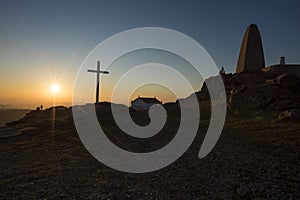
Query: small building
(144, 103)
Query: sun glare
(54, 88)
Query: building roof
(148, 100)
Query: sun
(54, 88)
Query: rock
(293, 114)
(284, 80)
(253, 98)
(258, 91)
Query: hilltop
(256, 157)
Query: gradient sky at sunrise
(45, 42)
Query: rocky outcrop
(259, 91)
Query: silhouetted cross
(98, 78)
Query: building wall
(140, 105)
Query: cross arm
(96, 71)
(104, 72)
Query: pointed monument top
(251, 58)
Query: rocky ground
(257, 157)
(260, 91)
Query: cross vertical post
(98, 80)
(98, 71)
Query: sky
(45, 42)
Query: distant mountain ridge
(8, 115)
